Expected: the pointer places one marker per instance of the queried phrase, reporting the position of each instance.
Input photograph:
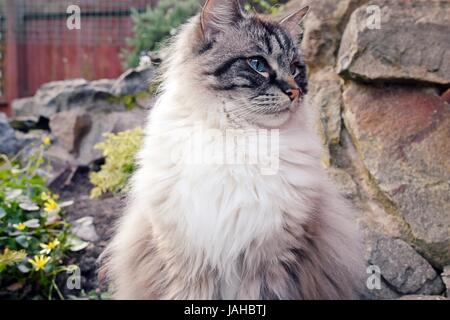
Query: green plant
(33, 235)
(153, 26)
(132, 100)
(119, 151)
(266, 6)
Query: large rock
(10, 142)
(134, 81)
(446, 96)
(80, 112)
(422, 297)
(105, 122)
(25, 108)
(413, 43)
(323, 27)
(69, 127)
(325, 96)
(404, 270)
(343, 182)
(446, 278)
(403, 137)
(78, 131)
(59, 96)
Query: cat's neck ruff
(219, 210)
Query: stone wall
(382, 103)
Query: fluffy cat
(227, 231)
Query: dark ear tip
(296, 16)
(305, 10)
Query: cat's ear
(292, 21)
(217, 15)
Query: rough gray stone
(402, 136)
(384, 292)
(322, 27)
(344, 182)
(77, 132)
(133, 81)
(446, 279)
(69, 127)
(25, 108)
(105, 122)
(10, 142)
(54, 97)
(326, 96)
(422, 297)
(446, 96)
(81, 112)
(413, 43)
(402, 267)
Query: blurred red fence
(36, 46)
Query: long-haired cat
(227, 230)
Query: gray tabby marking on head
(231, 38)
(252, 62)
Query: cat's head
(250, 63)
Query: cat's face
(253, 65)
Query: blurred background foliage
(153, 26)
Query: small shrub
(119, 151)
(266, 6)
(131, 101)
(155, 25)
(33, 235)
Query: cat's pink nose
(293, 94)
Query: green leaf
(2, 213)
(76, 244)
(66, 204)
(28, 206)
(23, 268)
(12, 194)
(37, 180)
(23, 241)
(32, 223)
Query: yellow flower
(39, 262)
(47, 248)
(50, 205)
(20, 226)
(46, 141)
(45, 196)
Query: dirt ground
(105, 212)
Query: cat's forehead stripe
(274, 37)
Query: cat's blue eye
(259, 65)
